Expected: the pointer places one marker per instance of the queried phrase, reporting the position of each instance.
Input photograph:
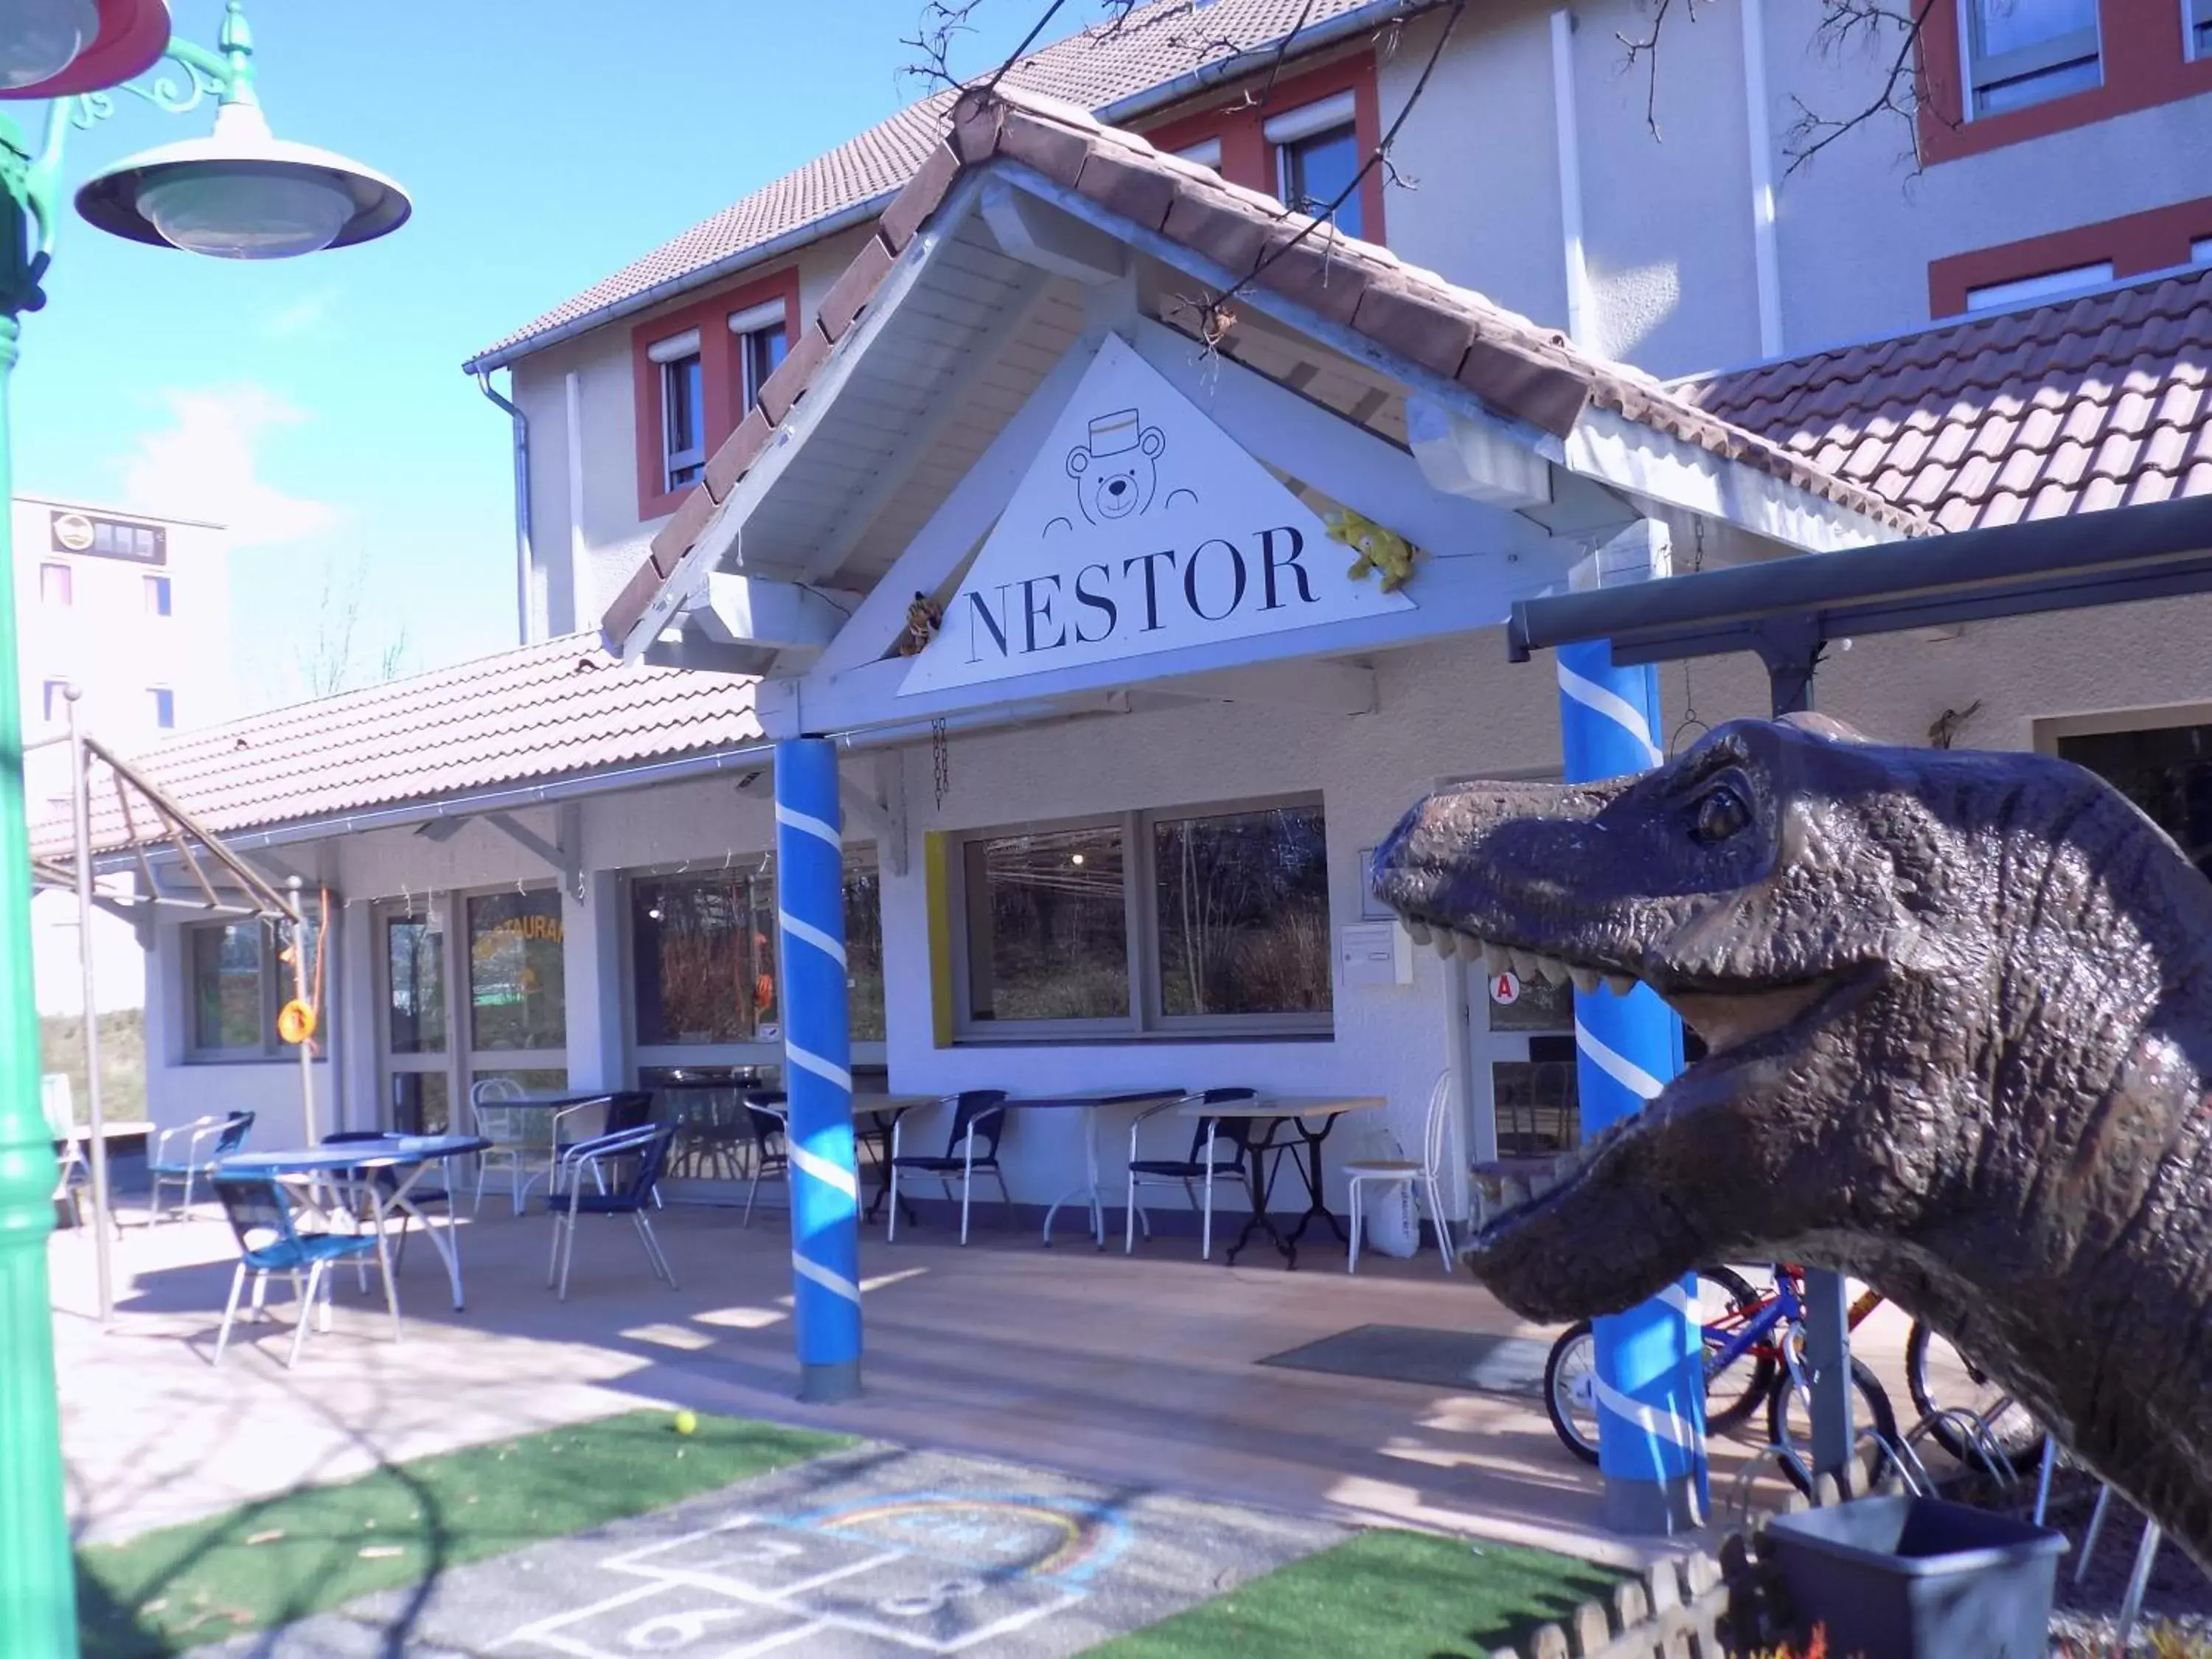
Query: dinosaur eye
(1722, 812)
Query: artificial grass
(1381, 1595)
(280, 1558)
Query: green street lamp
(238, 194)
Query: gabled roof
(1516, 368)
(558, 710)
(1108, 63)
(2034, 414)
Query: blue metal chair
(1208, 1140)
(269, 1242)
(767, 1124)
(978, 1115)
(208, 1140)
(646, 1151)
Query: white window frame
(1206, 153)
(743, 325)
(1311, 121)
(157, 693)
(2021, 64)
(668, 357)
(1146, 1022)
(2200, 251)
(763, 1051)
(160, 598)
(67, 572)
(2046, 285)
(2195, 15)
(274, 993)
(51, 692)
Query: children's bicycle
(1748, 1336)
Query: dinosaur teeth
(1585, 979)
(1554, 970)
(1442, 941)
(1524, 963)
(1468, 946)
(1619, 984)
(1496, 958)
(1418, 931)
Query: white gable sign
(1140, 527)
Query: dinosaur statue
(1958, 1007)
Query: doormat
(1436, 1359)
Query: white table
(1088, 1106)
(1311, 1117)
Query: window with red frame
(2042, 268)
(698, 371)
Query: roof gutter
(1318, 38)
(510, 798)
(860, 212)
(523, 560)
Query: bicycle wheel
(1942, 1379)
(1789, 1418)
(1570, 1392)
(1726, 1301)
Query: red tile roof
(545, 711)
(1513, 366)
(2066, 407)
(1095, 67)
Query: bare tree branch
(1646, 50)
(1868, 24)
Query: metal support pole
(81, 813)
(296, 886)
(1791, 651)
(1650, 1360)
(818, 1075)
(38, 1584)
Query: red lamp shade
(132, 34)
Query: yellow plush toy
(1382, 550)
(924, 617)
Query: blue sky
(317, 405)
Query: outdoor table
(886, 1109)
(1301, 1112)
(1088, 1106)
(408, 1157)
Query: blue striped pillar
(1650, 1360)
(818, 1071)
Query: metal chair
(977, 1114)
(1392, 1172)
(207, 1141)
(765, 1122)
(388, 1180)
(522, 1140)
(1205, 1164)
(73, 1180)
(647, 1151)
(269, 1242)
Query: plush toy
(1382, 550)
(923, 618)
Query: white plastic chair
(1389, 1172)
(522, 1141)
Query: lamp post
(240, 193)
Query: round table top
(386, 1151)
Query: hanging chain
(1690, 719)
(940, 759)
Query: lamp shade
(125, 39)
(242, 194)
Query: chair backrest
(232, 1137)
(495, 1088)
(651, 1163)
(54, 1097)
(978, 1112)
(1436, 1135)
(629, 1109)
(258, 1208)
(1236, 1130)
(766, 1128)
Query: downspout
(523, 560)
(1766, 267)
(1569, 134)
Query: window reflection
(1047, 932)
(517, 990)
(1242, 912)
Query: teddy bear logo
(1116, 469)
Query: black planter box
(1918, 1578)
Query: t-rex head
(1959, 1010)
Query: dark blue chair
(207, 1141)
(270, 1241)
(1220, 1149)
(979, 1116)
(767, 1125)
(621, 1191)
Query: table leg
(882, 1134)
(1310, 1172)
(1261, 1182)
(1089, 1192)
(441, 1238)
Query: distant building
(135, 609)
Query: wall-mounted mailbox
(1374, 953)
